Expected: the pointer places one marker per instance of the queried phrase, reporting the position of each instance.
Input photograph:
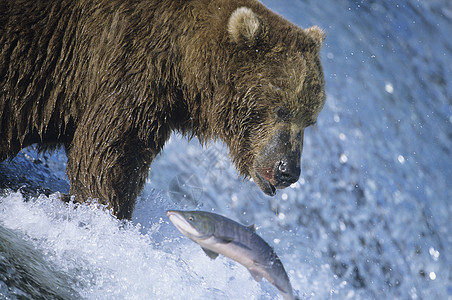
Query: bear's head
(277, 83)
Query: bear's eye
(282, 113)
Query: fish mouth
(182, 224)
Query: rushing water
(370, 217)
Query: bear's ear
(244, 26)
(318, 35)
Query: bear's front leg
(112, 170)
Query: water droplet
(389, 88)
(295, 185)
(434, 253)
(343, 159)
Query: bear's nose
(286, 172)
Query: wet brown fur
(111, 79)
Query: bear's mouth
(263, 178)
(277, 163)
(279, 177)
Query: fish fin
(256, 274)
(281, 288)
(252, 227)
(272, 280)
(210, 253)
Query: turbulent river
(370, 217)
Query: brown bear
(111, 79)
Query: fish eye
(191, 218)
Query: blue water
(370, 217)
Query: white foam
(109, 258)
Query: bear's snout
(277, 165)
(287, 171)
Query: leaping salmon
(219, 235)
